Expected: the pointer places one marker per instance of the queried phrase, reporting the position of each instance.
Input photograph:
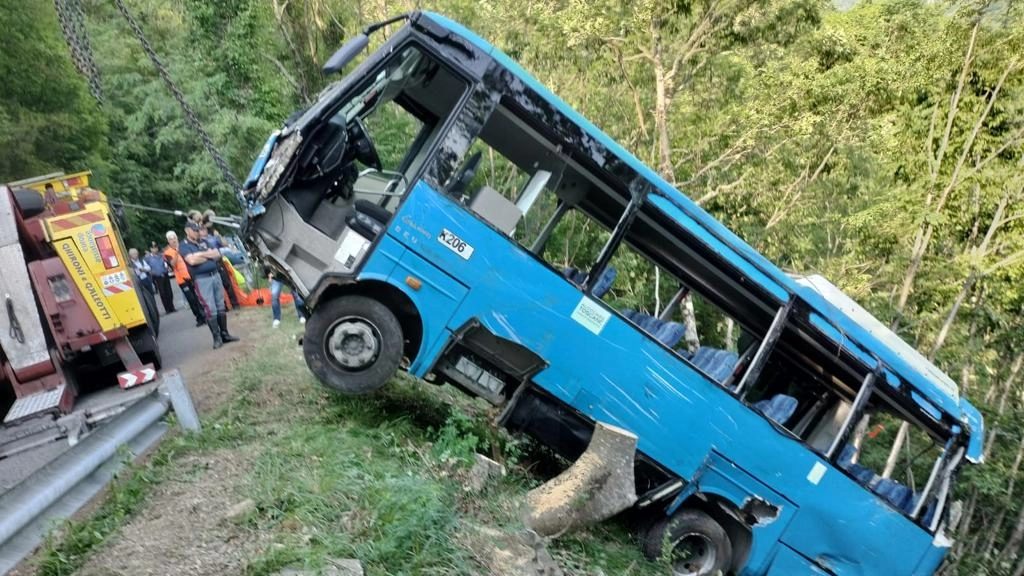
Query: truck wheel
(146, 346)
(692, 541)
(353, 344)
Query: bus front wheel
(353, 344)
(692, 542)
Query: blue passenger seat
(779, 408)
(899, 495)
(719, 364)
(716, 363)
(667, 332)
(603, 284)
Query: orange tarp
(255, 297)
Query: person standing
(206, 234)
(275, 301)
(142, 271)
(161, 277)
(145, 289)
(202, 262)
(184, 279)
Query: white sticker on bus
(816, 473)
(591, 315)
(455, 244)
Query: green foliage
(67, 553)
(457, 440)
(48, 120)
(834, 141)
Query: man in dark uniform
(202, 267)
(161, 276)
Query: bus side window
(898, 479)
(660, 299)
(522, 183)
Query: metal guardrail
(62, 486)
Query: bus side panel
(934, 557)
(789, 563)
(772, 512)
(603, 366)
(438, 296)
(814, 531)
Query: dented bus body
(431, 207)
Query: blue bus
(442, 212)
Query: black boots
(222, 323)
(219, 328)
(215, 329)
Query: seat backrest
(603, 284)
(897, 494)
(900, 496)
(490, 205)
(670, 333)
(716, 363)
(779, 408)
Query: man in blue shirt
(161, 276)
(202, 262)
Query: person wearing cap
(206, 234)
(202, 262)
(188, 289)
(161, 277)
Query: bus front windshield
(372, 140)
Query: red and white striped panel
(135, 377)
(117, 288)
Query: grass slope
(378, 478)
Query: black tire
(149, 310)
(353, 344)
(146, 346)
(692, 541)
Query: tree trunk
(1015, 540)
(1011, 380)
(923, 236)
(894, 454)
(597, 486)
(662, 101)
(997, 525)
(690, 321)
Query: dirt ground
(188, 525)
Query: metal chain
(82, 34)
(190, 115)
(72, 24)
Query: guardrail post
(173, 387)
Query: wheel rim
(693, 555)
(353, 343)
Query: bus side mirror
(346, 53)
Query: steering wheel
(363, 147)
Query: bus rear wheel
(693, 543)
(353, 344)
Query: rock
(345, 567)
(240, 510)
(482, 471)
(522, 553)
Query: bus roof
(849, 318)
